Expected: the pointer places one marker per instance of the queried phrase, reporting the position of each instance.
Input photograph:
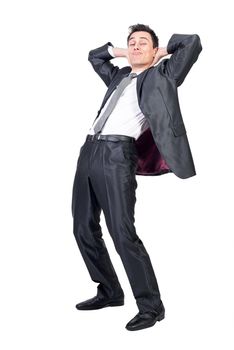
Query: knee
(126, 241)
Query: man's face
(140, 50)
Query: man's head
(142, 46)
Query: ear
(155, 51)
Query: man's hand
(161, 52)
(119, 52)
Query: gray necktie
(113, 101)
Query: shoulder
(125, 70)
(159, 68)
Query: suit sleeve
(100, 60)
(185, 50)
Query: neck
(136, 69)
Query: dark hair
(143, 28)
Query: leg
(87, 230)
(116, 186)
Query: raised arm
(185, 49)
(100, 60)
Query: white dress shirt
(126, 118)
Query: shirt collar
(137, 72)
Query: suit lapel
(122, 73)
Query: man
(138, 131)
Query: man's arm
(100, 60)
(119, 52)
(185, 50)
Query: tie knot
(132, 75)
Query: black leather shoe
(146, 319)
(98, 303)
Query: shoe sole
(159, 318)
(112, 303)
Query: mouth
(136, 55)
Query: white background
(49, 98)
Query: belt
(111, 137)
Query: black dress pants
(105, 180)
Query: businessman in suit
(138, 130)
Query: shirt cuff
(110, 50)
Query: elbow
(197, 42)
(90, 55)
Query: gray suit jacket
(164, 146)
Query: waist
(111, 137)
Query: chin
(137, 62)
